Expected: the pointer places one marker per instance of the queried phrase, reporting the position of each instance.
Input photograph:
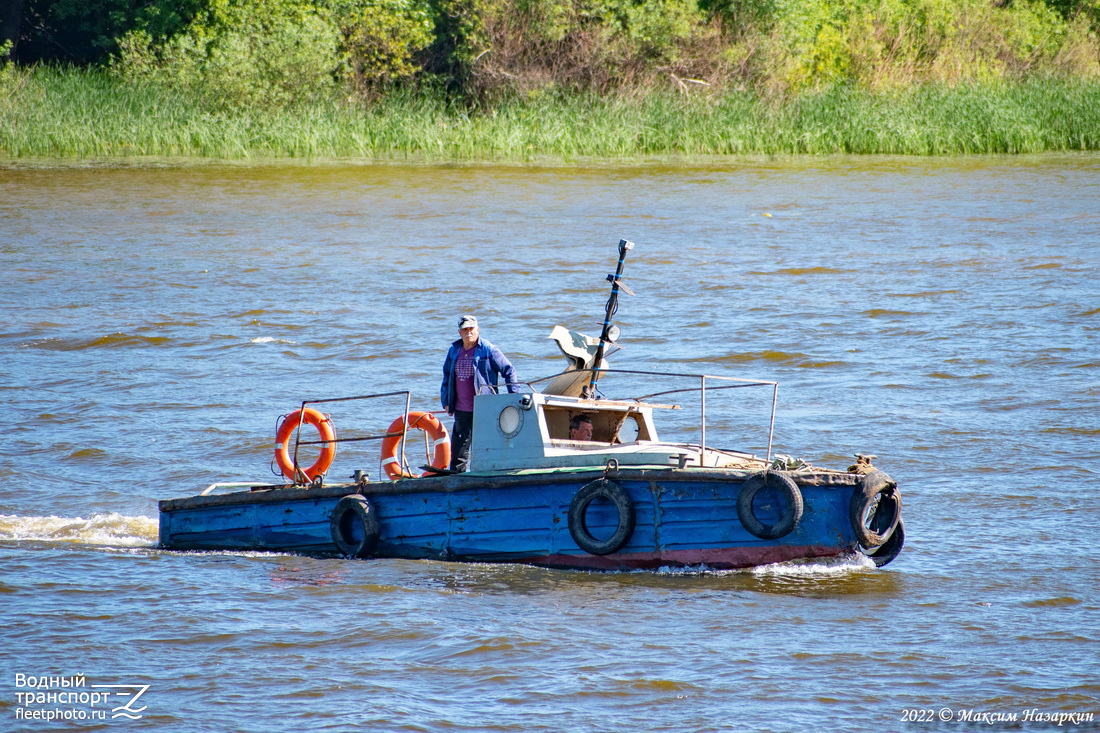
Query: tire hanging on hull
(875, 509)
(889, 549)
(578, 511)
(791, 499)
(354, 526)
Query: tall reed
(70, 113)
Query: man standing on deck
(472, 365)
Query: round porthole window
(628, 433)
(510, 421)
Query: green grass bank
(49, 112)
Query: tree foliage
(384, 42)
(274, 52)
(816, 43)
(280, 52)
(88, 31)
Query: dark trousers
(460, 440)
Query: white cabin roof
(531, 431)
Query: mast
(610, 332)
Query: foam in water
(270, 340)
(793, 568)
(110, 530)
(802, 568)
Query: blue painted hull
(684, 517)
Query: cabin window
(629, 430)
(510, 421)
(608, 426)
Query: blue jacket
(489, 364)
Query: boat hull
(683, 517)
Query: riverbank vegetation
(525, 79)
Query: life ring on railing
(430, 424)
(578, 517)
(354, 526)
(875, 509)
(788, 496)
(282, 442)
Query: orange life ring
(429, 423)
(282, 441)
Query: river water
(941, 314)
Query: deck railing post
(771, 426)
(702, 418)
(297, 441)
(405, 430)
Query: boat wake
(108, 530)
(793, 569)
(815, 568)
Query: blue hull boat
(635, 518)
(620, 499)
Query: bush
(10, 77)
(277, 53)
(268, 53)
(384, 41)
(88, 31)
(591, 45)
(460, 41)
(814, 44)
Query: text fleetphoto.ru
(70, 698)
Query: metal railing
(302, 478)
(702, 389)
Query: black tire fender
(792, 510)
(889, 549)
(578, 510)
(875, 509)
(354, 526)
